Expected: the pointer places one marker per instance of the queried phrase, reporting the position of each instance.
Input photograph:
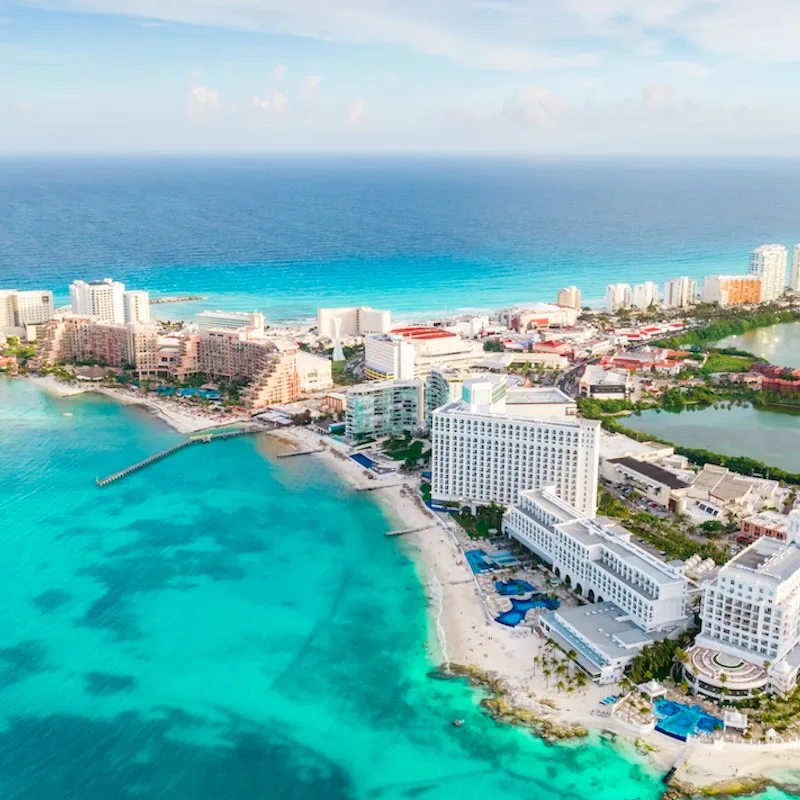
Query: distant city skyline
(493, 76)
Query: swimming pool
(680, 721)
(519, 608)
(360, 458)
(511, 587)
(477, 560)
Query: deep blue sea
(287, 234)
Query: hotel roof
(421, 333)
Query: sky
(678, 77)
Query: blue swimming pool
(477, 560)
(680, 721)
(519, 608)
(514, 587)
(360, 458)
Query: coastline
(183, 419)
(461, 633)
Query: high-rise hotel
(484, 452)
(768, 262)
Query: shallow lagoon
(769, 436)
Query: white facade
(229, 320)
(751, 614)
(680, 293)
(570, 297)
(354, 321)
(600, 561)
(18, 310)
(314, 373)
(645, 295)
(794, 281)
(389, 358)
(483, 455)
(8, 311)
(102, 299)
(618, 297)
(137, 307)
(768, 262)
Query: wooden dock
(378, 487)
(203, 438)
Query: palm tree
(536, 662)
(560, 686)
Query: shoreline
(460, 632)
(497, 659)
(182, 419)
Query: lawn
(719, 362)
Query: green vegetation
(23, 352)
(493, 346)
(340, 375)
(728, 322)
(483, 522)
(425, 491)
(407, 450)
(721, 361)
(656, 660)
(662, 534)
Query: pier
(404, 531)
(203, 438)
(679, 762)
(296, 453)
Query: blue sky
(495, 76)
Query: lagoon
(778, 344)
(769, 436)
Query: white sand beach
(461, 632)
(181, 417)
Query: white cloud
(278, 72)
(275, 105)
(688, 69)
(533, 106)
(202, 103)
(311, 86)
(356, 112)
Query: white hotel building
(484, 452)
(750, 637)
(102, 299)
(769, 262)
(636, 598)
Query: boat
(67, 414)
(458, 723)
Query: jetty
(202, 438)
(404, 531)
(296, 453)
(678, 763)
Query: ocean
(236, 627)
(418, 235)
(228, 627)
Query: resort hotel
(750, 637)
(486, 450)
(634, 597)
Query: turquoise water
(228, 627)
(778, 344)
(769, 436)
